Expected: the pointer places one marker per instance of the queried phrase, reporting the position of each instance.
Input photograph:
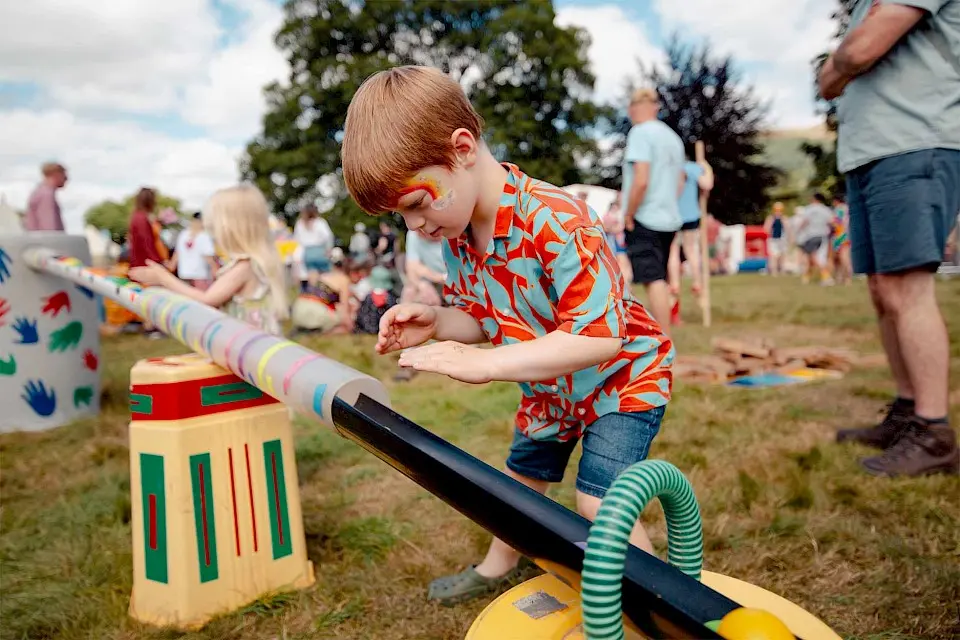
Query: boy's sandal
(468, 584)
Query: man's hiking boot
(921, 450)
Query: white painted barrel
(49, 338)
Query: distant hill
(782, 149)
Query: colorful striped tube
(292, 374)
(609, 538)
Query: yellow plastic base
(512, 615)
(252, 547)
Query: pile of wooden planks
(734, 358)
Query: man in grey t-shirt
(897, 73)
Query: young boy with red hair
(529, 270)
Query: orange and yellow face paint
(440, 197)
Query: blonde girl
(250, 286)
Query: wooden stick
(704, 252)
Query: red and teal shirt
(548, 268)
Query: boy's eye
(419, 203)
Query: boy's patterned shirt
(547, 268)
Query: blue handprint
(4, 265)
(27, 330)
(43, 402)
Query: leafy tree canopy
(115, 216)
(526, 76)
(703, 98)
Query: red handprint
(90, 360)
(4, 308)
(56, 303)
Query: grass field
(783, 506)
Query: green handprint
(82, 395)
(67, 337)
(8, 367)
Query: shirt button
(555, 388)
(505, 312)
(581, 411)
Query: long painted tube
(293, 374)
(609, 540)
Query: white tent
(598, 198)
(103, 250)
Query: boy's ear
(465, 146)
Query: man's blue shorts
(610, 445)
(902, 210)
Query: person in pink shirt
(43, 211)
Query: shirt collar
(508, 201)
(503, 223)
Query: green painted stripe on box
(200, 478)
(141, 403)
(228, 393)
(154, 499)
(277, 499)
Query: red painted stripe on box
(233, 497)
(253, 512)
(203, 513)
(276, 495)
(152, 500)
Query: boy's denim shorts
(902, 210)
(610, 445)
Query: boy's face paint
(432, 203)
(441, 197)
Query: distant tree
(704, 99)
(826, 178)
(526, 76)
(114, 217)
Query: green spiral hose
(609, 537)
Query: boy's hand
(150, 275)
(458, 361)
(406, 325)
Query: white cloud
(116, 54)
(229, 99)
(616, 43)
(781, 35)
(107, 159)
(91, 62)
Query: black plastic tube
(658, 599)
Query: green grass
(783, 505)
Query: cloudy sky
(130, 93)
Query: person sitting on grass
(324, 305)
(529, 270)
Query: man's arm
(638, 189)
(867, 44)
(681, 183)
(705, 181)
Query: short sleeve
(587, 280)
(638, 148)
(205, 245)
(933, 6)
(413, 246)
